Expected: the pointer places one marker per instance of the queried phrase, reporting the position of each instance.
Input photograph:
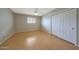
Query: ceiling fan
(36, 11)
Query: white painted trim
(77, 44)
(11, 35)
(6, 38)
(27, 31)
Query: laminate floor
(36, 40)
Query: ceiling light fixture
(36, 11)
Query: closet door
(54, 25)
(64, 25)
(72, 24)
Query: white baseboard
(27, 31)
(2, 41)
(77, 44)
(6, 38)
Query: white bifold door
(64, 25)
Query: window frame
(31, 20)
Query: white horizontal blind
(31, 20)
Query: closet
(64, 25)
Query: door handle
(72, 28)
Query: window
(31, 20)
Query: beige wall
(46, 23)
(6, 24)
(21, 23)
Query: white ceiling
(30, 11)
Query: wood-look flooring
(36, 40)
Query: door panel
(64, 25)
